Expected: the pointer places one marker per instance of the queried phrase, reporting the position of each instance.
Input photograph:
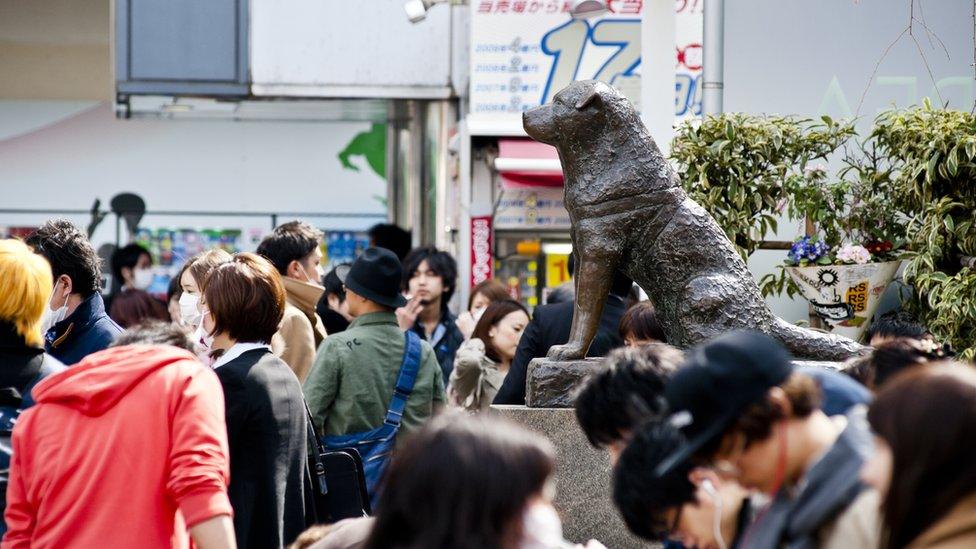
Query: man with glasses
(691, 505)
(746, 413)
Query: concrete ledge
(583, 478)
(553, 384)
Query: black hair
(127, 256)
(70, 253)
(897, 355)
(174, 289)
(440, 262)
(334, 322)
(896, 324)
(154, 332)
(292, 241)
(391, 237)
(642, 497)
(333, 284)
(561, 294)
(640, 321)
(461, 481)
(628, 392)
(622, 285)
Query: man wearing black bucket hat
(745, 412)
(355, 372)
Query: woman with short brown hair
(243, 302)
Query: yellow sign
(857, 297)
(557, 270)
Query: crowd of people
(138, 423)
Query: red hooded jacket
(126, 449)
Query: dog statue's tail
(813, 345)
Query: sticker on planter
(833, 311)
(857, 297)
(844, 296)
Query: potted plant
(843, 285)
(846, 265)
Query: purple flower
(807, 249)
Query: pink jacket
(126, 449)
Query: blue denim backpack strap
(376, 445)
(405, 380)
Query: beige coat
(301, 330)
(475, 379)
(956, 530)
(346, 534)
(859, 525)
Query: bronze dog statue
(629, 213)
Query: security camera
(416, 10)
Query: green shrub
(933, 152)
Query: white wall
(813, 58)
(180, 165)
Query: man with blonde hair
(26, 281)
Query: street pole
(713, 61)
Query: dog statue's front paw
(569, 351)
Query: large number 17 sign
(566, 44)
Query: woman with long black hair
(925, 461)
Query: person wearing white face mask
(132, 267)
(192, 277)
(132, 275)
(294, 248)
(75, 323)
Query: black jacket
(550, 325)
(87, 330)
(266, 433)
(21, 366)
(445, 342)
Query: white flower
(850, 253)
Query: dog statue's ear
(588, 98)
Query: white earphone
(709, 489)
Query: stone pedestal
(583, 478)
(551, 384)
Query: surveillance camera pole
(713, 61)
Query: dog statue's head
(579, 109)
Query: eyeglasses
(667, 534)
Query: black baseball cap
(376, 275)
(718, 381)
